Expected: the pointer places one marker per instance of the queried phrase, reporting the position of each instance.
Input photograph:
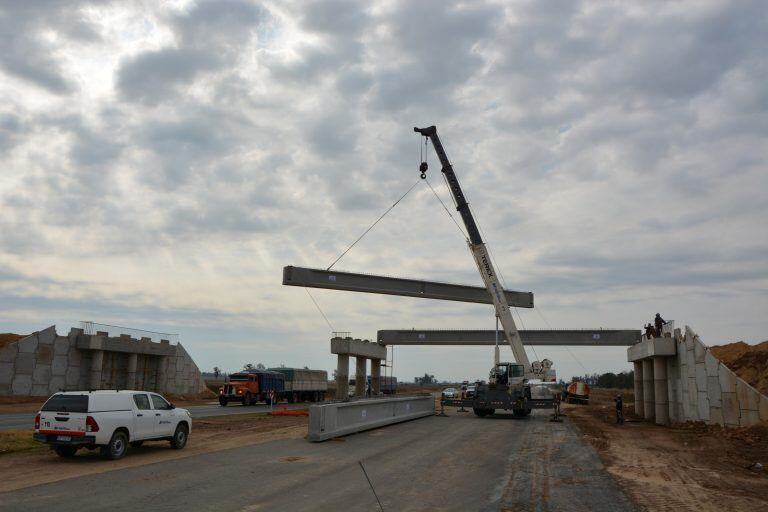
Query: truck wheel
(247, 398)
(223, 401)
(117, 446)
(180, 437)
(66, 451)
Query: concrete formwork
(690, 384)
(44, 363)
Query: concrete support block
(639, 407)
(713, 392)
(673, 389)
(749, 418)
(661, 400)
(47, 336)
(22, 385)
(375, 376)
(716, 416)
(342, 377)
(649, 399)
(131, 371)
(97, 361)
(57, 383)
(27, 345)
(360, 375)
(61, 346)
(41, 375)
(730, 409)
(699, 350)
(727, 379)
(44, 354)
(690, 364)
(161, 375)
(6, 374)
(8, 353)
(692, 402)
(711, 363)
(703, 405)
(749, 397)
(59, 365)
(701, 377)
(72, 378)
(25, 363)
(763, 408)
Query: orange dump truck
(577, 393)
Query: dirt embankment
(6, 338)
(39, 465)
(750, 362)
(686, 467)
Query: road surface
(27, 420)
(456, 463)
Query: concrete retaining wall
(327, 421)
(44, 363)
(681, 381)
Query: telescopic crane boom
(482, 258)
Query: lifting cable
(372, 225)
(446, 209)
(320, 310)
(538, 310)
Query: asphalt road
(456, 463)
(26, 420)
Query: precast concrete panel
(327, 421)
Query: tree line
(623, 380)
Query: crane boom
(479, 251)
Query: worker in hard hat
(659, 324)
(619, 409)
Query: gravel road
(456, 463)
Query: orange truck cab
(249, 387)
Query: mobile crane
(508, 386)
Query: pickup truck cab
(109, 420)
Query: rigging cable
(446, 209)
(372, 225)
(320, 310)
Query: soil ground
(39, 465)
(684, 467)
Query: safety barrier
(327, 421)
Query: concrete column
(649, 401)
(97, 361)
(360, 374)
(160, 376)
(375, 376)
(639, 410)
(661, 399)
(342, 377)
(130, 382)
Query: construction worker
(659, 324)
(649, 331)
(619, 410)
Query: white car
(109, 420)
(450, 393)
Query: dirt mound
(749, 362)
(6, 338)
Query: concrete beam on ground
(349, 281)
(580, 337)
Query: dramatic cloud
(163, 161)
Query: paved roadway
(26, 420)
(455, 463)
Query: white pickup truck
(109, 420)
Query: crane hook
(423, 169)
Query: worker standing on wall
(659, 324)
(619, 410)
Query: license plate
(64, 438)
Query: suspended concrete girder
(348, 281)
(580, 337)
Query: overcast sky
(162, 161)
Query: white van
(109, 420)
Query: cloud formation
(163, 162)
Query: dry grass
(14, 441)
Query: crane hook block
(423, 169)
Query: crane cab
(504, 374)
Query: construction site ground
(684, 467)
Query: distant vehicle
(274, 385)
(577, 393)
(109, 420)
(387, 385)
(303, 384)
(450, 393)
(470, 391)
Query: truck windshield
(68, 403)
